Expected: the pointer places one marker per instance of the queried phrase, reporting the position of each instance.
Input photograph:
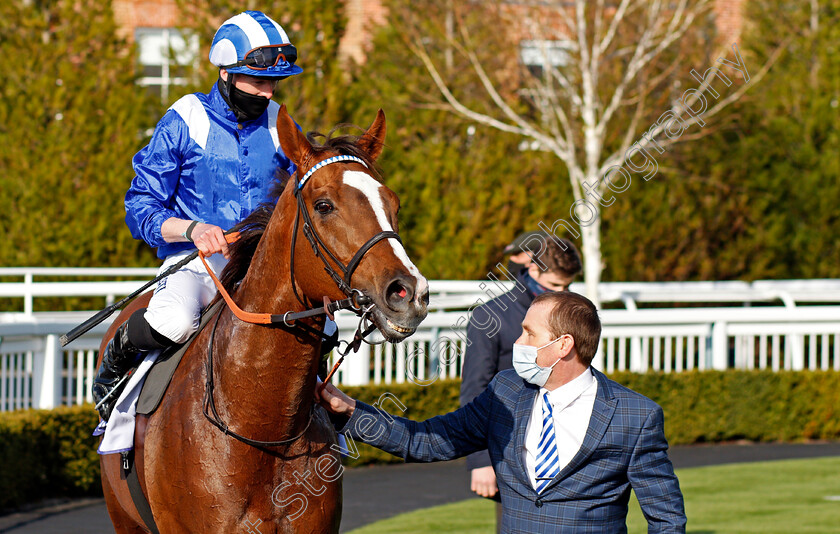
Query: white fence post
(27, 299)
(598, 360)
(795, 342)
(46, 375)
(720, 346)
(636, 354)
(358, 367)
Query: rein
(355, 301)
(211, 404)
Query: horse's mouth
(390, 329)
(399, 329)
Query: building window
(536, 54)
(165, 56)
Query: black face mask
(514, 268)
(245, 106)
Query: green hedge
(50, 453)
(714, 406)
(708, 406)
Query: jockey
(210, 162)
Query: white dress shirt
(571, 406)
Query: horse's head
(353, 219)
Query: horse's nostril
(397, 291)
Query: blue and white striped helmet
(251, 43)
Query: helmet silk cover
(243, 33)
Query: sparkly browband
(334, 159)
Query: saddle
(155, 386)
(160, 375)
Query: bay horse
(195, 477)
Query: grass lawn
(781, 497)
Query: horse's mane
(253, 226)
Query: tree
(604, 75)
(757, 198)
(71, 118)
(436, 163)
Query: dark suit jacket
(624, 448)
(492, 329)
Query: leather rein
(356, 301)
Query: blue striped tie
(548, 461)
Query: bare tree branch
(455, 103)
(582, 103)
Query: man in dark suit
(550, 264)
(567, 444)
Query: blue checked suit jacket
(624, 448)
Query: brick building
(153, 24)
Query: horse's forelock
(343, 145)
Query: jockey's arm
(208, 238)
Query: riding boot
(119, 356)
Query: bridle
(356, 301)
(320, 248)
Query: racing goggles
(265, 57)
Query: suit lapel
(524, 406)
(602, 413)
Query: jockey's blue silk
(200, 166)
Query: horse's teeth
(397, 328)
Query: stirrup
(115, 389)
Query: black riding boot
(120, 356)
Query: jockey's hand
(334, 400)
(484, 481)
(210, 239)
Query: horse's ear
(373, 139)
(294, 143)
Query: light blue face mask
(525, 363)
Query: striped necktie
(548, 461)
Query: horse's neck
(267, 374)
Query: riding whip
(107, 312)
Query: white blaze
(370, 187)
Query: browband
(324, 163)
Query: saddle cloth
(135, 398)
(119, 429)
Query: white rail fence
(763, 325)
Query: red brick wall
(362, 16)
(131, 14)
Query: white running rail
(788, 324)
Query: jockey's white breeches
(175, 308)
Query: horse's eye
(323, 207)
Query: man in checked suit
(567, 443)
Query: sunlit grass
(780, 497)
